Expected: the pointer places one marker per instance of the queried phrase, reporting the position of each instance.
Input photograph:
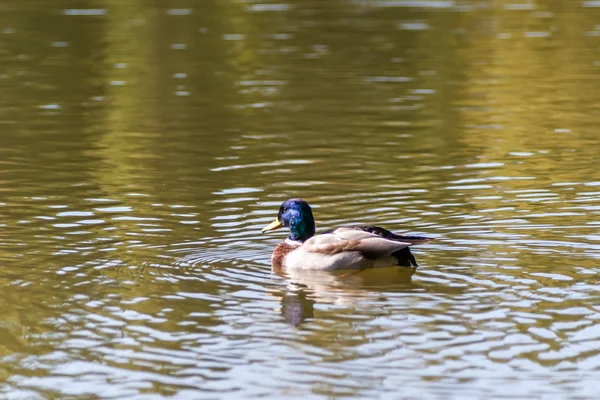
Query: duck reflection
(297, 304)
(307, 288)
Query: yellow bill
(272, 226)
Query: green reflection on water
(143, 148)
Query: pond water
(142, 149)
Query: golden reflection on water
(144, 147)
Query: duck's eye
(285, 209)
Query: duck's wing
(370, 245)
(381, 232)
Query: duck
(353, 247)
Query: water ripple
(134, 189)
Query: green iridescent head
(295, 214)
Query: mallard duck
(347, 247)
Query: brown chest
(281, 251)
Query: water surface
(142, 148)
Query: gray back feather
(371, 246)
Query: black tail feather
(412, 239)
(405, 258)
